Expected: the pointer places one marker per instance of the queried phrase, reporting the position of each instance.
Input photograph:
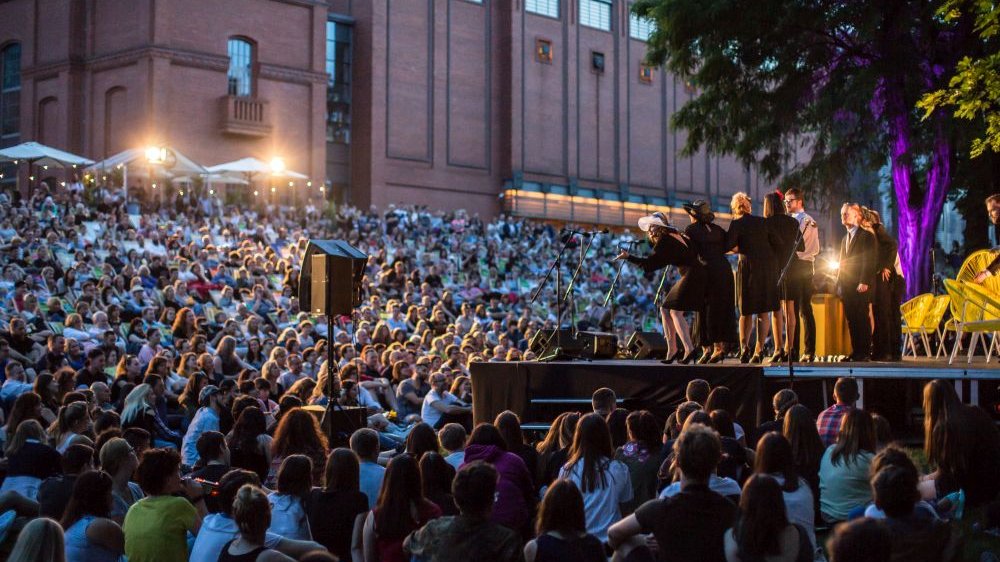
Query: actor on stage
(756, 275)
(993, 209)
(714, 324)
(801, 275)
(855, 278)
(783, 231)
(670, 247)
(888, 295)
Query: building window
(597, 62)
(338, 86)
(241, 64)
(543, 50)
(640, 28)
(596, 14)
(645, 74)
(548, 8)
(10, 94)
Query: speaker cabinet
(330, 281)
(646, 345)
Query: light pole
(277, 169)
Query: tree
(844, 76)
(974, 89)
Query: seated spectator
(14, 385)
(436, 477)
(411, 391)
(452, 438)
(734, 462)
(28, 406)
(55, 491)
(762, 531)
(207, 418)
(364, 443)
(509, 426)
(120, 461)
(807, 447)
(89, 534)
(915, 535)
(288, 513)
(252, 517)
(218, 529)
(561, 529)
(422, 439)
(516, 495)
(694, 521)
(41, 540)
(400, 510)
(845, 395)
(860, 539)
(213, 458)
(249, 444)
(140, 412)
(641, 455)
(337, 529)
(29, 460)
(843, 473)
(721, 398)
(470, 535)
(71, 422)
(554, 449)
(441, 407)
(893, 455)
(774, 459)
(782, 401)
(605, 404)
(603, 481)
(156, 526)
(298, 433)
(722, 485)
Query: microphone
(585, 232)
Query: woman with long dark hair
(298, 433)
(516, 495)
(714, 325)
(762, 531)
(756, 276)
(561, 530)
(671, 247)
(436, 477)
(47, 389)
(91, 536)
(782, 230)
(554, 449)
(249, 444)
(774, 458)
(288, 514)
(339, 530)
(641, 454)
(422, 439)
(799, 429)
(400, 510)
(843, 472)
(509, 426)
(189, 396)
(603, 481)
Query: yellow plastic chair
(976, 262)
(988, 302)
(913, 312)
(931, 324)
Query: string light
(309, 184)
(256, 193)
(211, 192)
(274, 189)
(291, 184)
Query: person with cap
(205, 419)
(714, 325)
(670, 247)
(756, 276)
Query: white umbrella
(134, 161)
(253, 166)
(210, 178)
(35, 153)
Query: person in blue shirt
(205, 419)
(365, 444)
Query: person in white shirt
(441, 406)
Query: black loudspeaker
(339, 423)
(544, 342)
(598, 345)
(646, 345)
(330, 280)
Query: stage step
(536, 427)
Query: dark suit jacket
(887, 248)
(857, 261)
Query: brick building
(542, 107)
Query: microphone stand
(557, 267)
(784, 271)
(572, 279)
(608, 299)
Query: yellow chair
(931, 324)
(913, 312)
(976, 262)
(978, 315)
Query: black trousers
(887, 337)
(858, 321)
(801, 273)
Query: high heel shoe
(672, 358)
(717, 358)
(778, 357)
(705, 358)
(687, 358)
(757, 358)
(745, 355)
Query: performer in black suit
(756, 275)
(887, 321)
(802, 273)
(783, 230)
(670, 247)
(715, 324)
(855, 279)
(993, 208)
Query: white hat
(656, 219)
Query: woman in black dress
(756, 276)
(714, 325)
(782, 230)
(670, 247)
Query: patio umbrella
(39, 154)
(133, 162)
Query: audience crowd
(162, 394)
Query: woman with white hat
(670, 247)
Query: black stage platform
(539, 391)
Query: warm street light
(156, 154)
(277, 166)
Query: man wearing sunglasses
(801, 275)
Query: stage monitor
(330, 280)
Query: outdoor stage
(538, 392)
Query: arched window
(241, 65)
(10, 94)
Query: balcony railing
(246, 116)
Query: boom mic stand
(784, 271)
(609, 298)
(557, 267)
(576, 273)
